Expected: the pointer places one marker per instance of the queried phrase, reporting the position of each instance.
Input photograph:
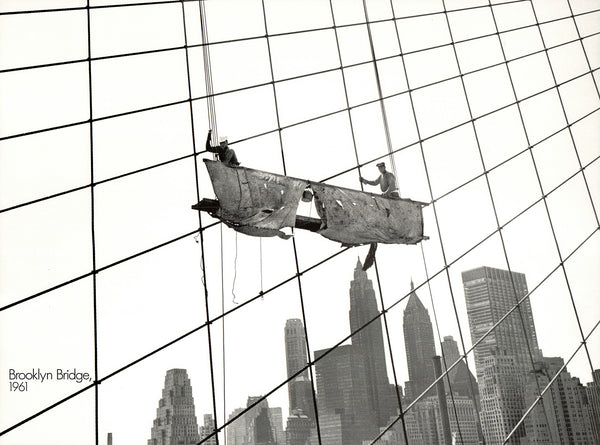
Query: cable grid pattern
(499, 138)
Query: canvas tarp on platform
(354, 217)
(255, 202)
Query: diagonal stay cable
(348, 108)
(108, 266)
(164, 105)
(194, 330)
(551, 382)
(583, 175)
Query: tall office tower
(592, 390)
(300, 388)
(343, 396)
(368, 342)
(420, 347)
(503, 358)
(207, 429)
(175, 422)
(565, 413)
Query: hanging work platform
(259, 203)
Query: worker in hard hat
(386, 180)
(225, 154)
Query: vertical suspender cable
(308, 349)
(202, 261)
(427, 175)
(383, 309)
(583, 175)
(92, 219)
(386, 127)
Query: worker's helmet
(381, 164)
(223, 140)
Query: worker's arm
(209, 147)
(366, 181)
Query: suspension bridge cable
(587, 60)
(550, 383)
(63, 126)
(93, 222)
(351, 124)
(279, 129)
(526, 134)
(439, 338)
(201, 232)
(298, 279)
(424, 163)
(386, 127)
(583, 175)
(198, 328)
(178, 238)
(169, 2)
(304, 31)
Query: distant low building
(260, 425)
(207, 429)
(298, 429)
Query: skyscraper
(368, 343)
(175, 422)
(419, 345)
(300, 388)
(343, 396)
(503, 358)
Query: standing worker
(225, 154)
(386, 180)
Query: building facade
(565, 414)
(207, 429)
(503, 355)
(368, 343)
(420, 347)
(300, 391)
(343, 396)
(175, 422)
(259, 425)
(592, 390)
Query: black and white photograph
(299, 222)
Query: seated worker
(386, 180)
(225, 154)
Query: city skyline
(342, 377)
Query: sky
(466, 153)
